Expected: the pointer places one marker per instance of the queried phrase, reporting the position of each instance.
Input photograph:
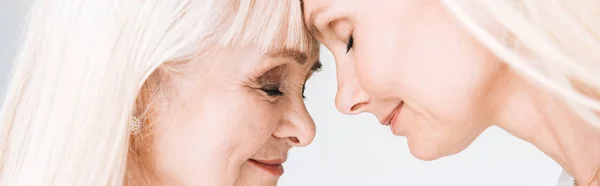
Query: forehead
(315, 4)
(312, 10)
(309, 6)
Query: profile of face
(412, 65)
(230, 117)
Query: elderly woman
(161, 92)
(441, 71)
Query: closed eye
(350, 43)
(272, 90)
(303, 88)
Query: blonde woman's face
(411, 65)
(233, 117)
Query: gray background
(356, 150)
(12, 15)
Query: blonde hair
(553, 43)
(83, 63)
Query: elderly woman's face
(234, 117)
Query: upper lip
(388, 119)
(274, 162)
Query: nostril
(356, 107)
(294, 140)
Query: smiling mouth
(388, 121)
(274, 167)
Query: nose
(350, 99)
(297, 127)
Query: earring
(136, 125)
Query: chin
(269, 182)
(272, 183)
(433, 149)
(257, 182)
(425, 150)
(424, 156)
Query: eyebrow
(312, 28)
(295, 55)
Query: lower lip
(393, 126)
(275, 170)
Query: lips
(388, 121)
(274, 167)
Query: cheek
(381, 36)
(212, 133)
(427, 60)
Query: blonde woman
(441, 72)
(161, 92)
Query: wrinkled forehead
(269, 25)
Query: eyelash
(303, 87)
(350, 43)
(274, 91)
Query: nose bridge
(350, 97)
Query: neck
(542, 119)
